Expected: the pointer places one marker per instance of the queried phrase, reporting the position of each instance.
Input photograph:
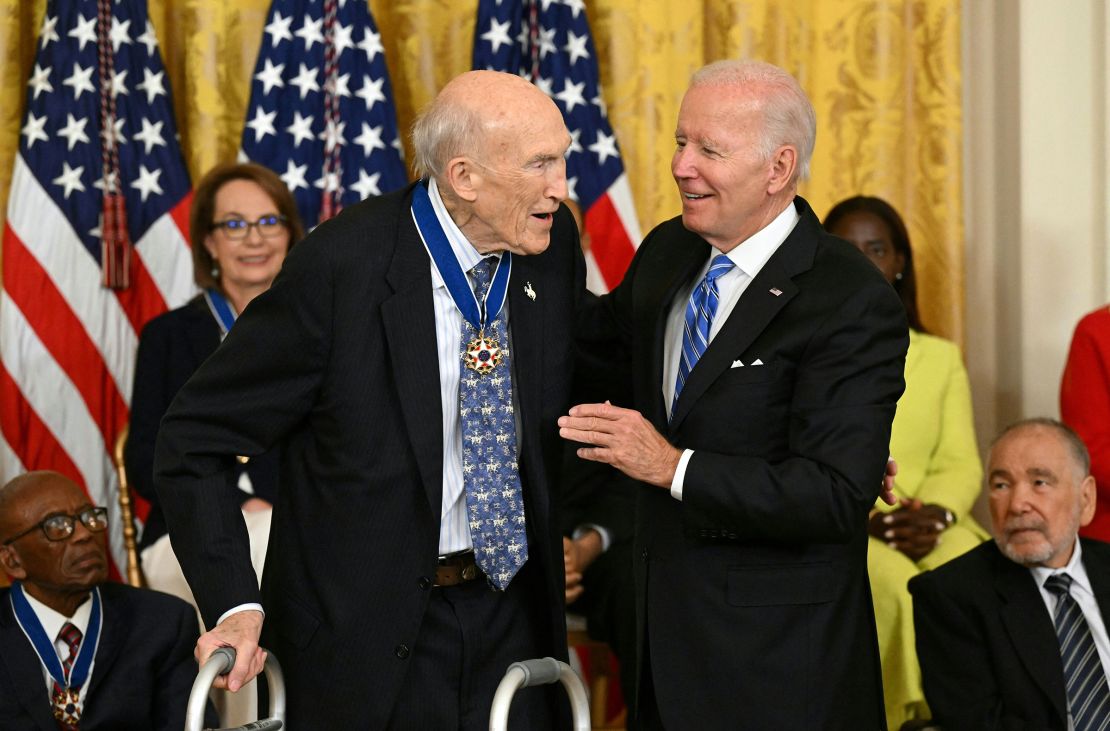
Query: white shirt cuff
(606, 538)
(680, 474)
(250, 607)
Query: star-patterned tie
(491, 479)
(1088, 694)
(67, 711)
(699, 319)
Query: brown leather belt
(457, 568)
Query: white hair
(788, 116)
(441, 132)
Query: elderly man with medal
(78, 652)
(411, 361)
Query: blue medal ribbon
(221, 310)
(44, 646)
(439, 248)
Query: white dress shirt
(454, 526)
(749, 257)
(1084, 597)
(52, 623)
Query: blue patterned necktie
(1088, 694)
(699, 319)
(490, 476)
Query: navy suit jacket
(754, 609)
(338, 363)
(989, 655)
(171, 348)
(143, 673)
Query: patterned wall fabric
(884, 76)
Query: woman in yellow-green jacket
(939, 471)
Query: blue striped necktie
(699, 319)
(1088, 695)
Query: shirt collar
(1074, 569)
(52, 620)
(463, 250)
(752, 253)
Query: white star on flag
(262, 124)
(556, 33)
(299, 122)
(147, 182)
(152, 85)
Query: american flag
(67, 342)
(548, 42)
(321, 113)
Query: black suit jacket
(338, 362)
(753, 602)
(143, 673)
(987, 646)
(171, 348)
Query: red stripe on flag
(609, 242)
(63, 335)
(28, 436)
(142, 300)
(180, 215)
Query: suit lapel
(410, 327)
(679, 265)
(112, 635)
(23, 668)
(202, 332)
(526, 327)
(755, 310)
(1030, 629)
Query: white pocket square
(737, 364)
(757, 361)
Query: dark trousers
(646, 713)
(469, 637)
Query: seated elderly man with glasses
(77, 652)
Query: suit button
(401, 651)
(424, 582)
(644, 555)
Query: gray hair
(1079, 453)
(788, 116)
(442, 131)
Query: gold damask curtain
(884, 76)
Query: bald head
(58, 572)
(28, 488)
(473, 111)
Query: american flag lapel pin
(529, 291)
(776, 291)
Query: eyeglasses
(60, 527)
(237, 228)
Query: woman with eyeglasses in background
(242, 224)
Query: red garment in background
(1085, 406)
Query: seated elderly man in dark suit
(1012, 635)
(76, 652)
